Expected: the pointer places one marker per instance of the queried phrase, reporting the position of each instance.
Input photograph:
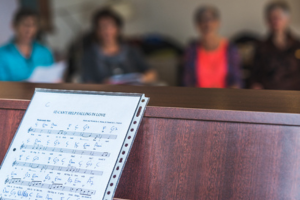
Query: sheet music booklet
(71, 145)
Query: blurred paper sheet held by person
(124, 79)
(52, 74)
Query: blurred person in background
(277, 59)
(212, 61)
(22, 54)
(107, 59)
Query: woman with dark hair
(21, 55)
(106, 59)
(211, 62)
(277, 59)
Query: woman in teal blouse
(20, 56)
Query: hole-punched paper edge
(138, 119)
(110, 190)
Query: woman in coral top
(211, 62)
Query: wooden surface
(185, 153)
(222, 99)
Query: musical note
(57, 168)
(97, 136)
(69, 150)
(72, 133)
(64, 150)
(54, 186)
(30, 130)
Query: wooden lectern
(197, 143)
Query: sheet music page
(67, 147)
(51, 74)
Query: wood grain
(217, 99)
(190, 153)
(9, 123)
(184, 159)
(195, 114)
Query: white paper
(51, 74)
(69, 145)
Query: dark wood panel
(184, 159)
(9, 123)
(224, 115)
(218, 99)
(184, 153)
(189, 159)
(14, 104)
(195, 114)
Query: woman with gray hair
(277, 58)
(212, 61)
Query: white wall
(170, 17)
(7, 8)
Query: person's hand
(149, 77)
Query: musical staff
(73, 133)
(63, 150)
(59, 187)
(58, 168)
(71, 145)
